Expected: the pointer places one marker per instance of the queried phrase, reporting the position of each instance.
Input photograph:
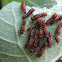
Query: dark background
(0, 4)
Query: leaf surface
(43, 3)
(12, 43)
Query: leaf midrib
(18, 38)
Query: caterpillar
(38, 22)
(31, 40)
(28, 13)
(36, 38)
(45, 30)
(40, 53)
(23, 6)
(59, 27)
(49, 40)
(38, 15)
(56, 37)
(23, 27)
(36, 48)
(57, 19)
(51, 18)
(40, 32)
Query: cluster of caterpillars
(40, 33)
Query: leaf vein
(8, 40)
(12, 54)
(7, 22)
(18, 38)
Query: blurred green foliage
(4, 2)
(59, 60)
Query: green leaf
(4, 2)
(43, 3)
(12, 43)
